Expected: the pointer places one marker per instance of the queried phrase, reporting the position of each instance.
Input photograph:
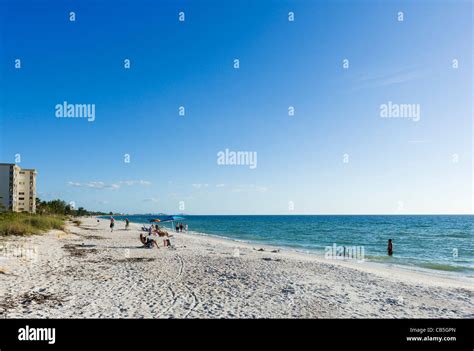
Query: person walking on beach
(390, 247)
(112, 223)
(186, 228)
(181, 227)
(127, 223)
(177, 227)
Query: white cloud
(133, 182)
(94, 185)
(200, 186)
(151, 199)
(97, 185)
(249, 188)
(386, 79)
(113, 186)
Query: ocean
(436, 242)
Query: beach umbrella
(173, 218)
(167, 219)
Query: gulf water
(436, 242)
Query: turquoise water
(444, 243)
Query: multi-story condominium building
(17, 188)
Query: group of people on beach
(179, 227)
(149, 241)
(112, 223)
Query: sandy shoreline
(90, 272)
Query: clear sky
(392, 165)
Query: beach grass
(29, 224)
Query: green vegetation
(60, 207)
(49, 215)
(26, 224)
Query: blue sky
(395, 165)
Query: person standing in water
(127, 223)
(390, 247)
(112, 223)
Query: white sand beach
(90, 272)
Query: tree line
(60, 207)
